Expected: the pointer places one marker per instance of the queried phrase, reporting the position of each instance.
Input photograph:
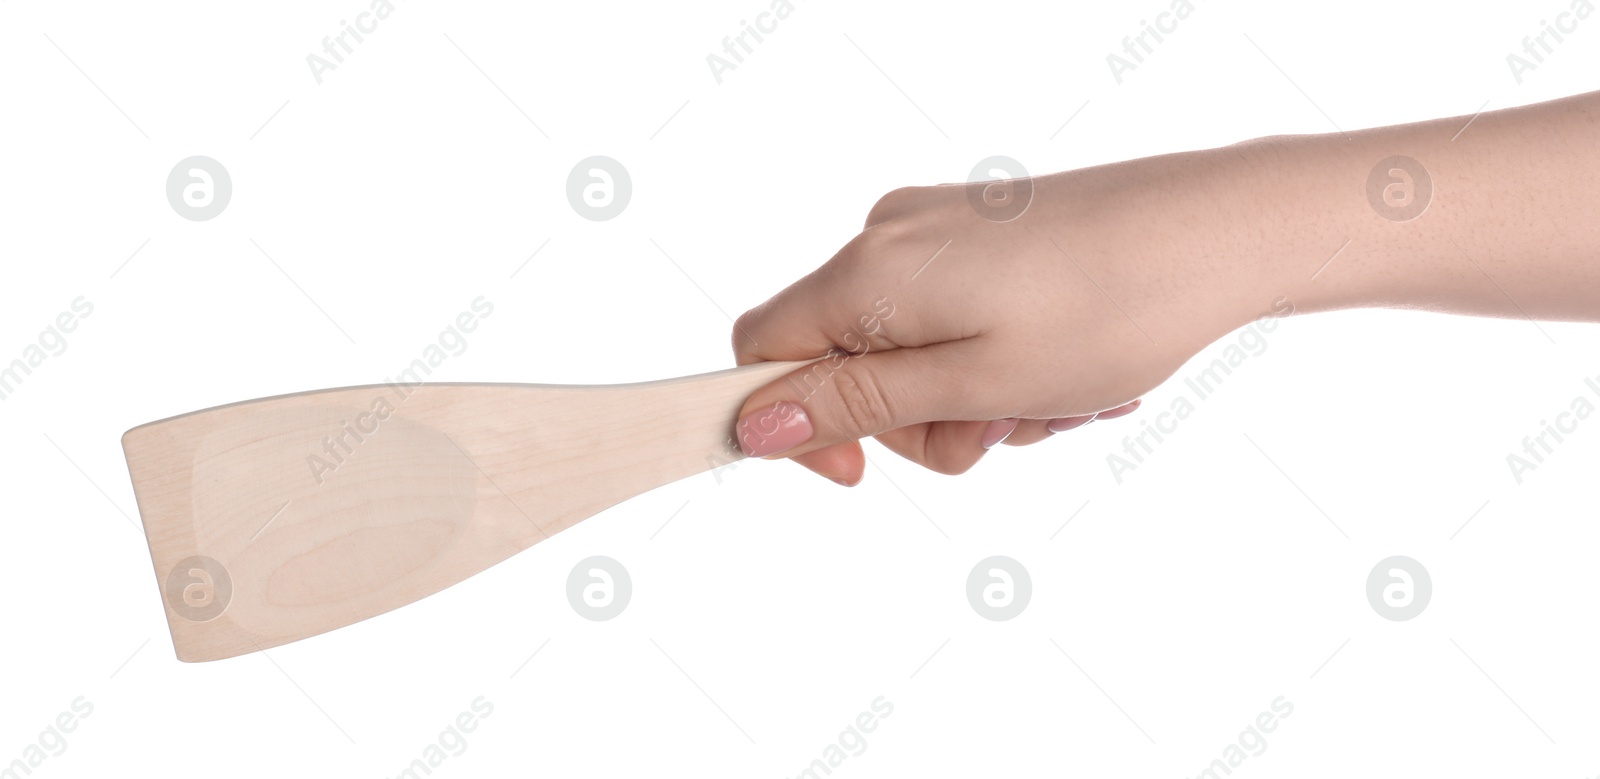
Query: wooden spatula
(277, 519)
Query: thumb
(845, 397)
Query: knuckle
(863, 401)
(894, 202)
(867, 247)
(879, 244)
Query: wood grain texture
(277, 519)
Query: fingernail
(1120, 411)
(1063, 424)
(779, 428)
(842, 483)
(997, 431)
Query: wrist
(1197, 235)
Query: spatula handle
(705, 408)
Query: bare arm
(1115, 275)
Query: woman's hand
(967, 314)
(949, 332)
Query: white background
(774, 607)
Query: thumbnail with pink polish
(781, 427)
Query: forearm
(1509, 228)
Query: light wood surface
(277, 519)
